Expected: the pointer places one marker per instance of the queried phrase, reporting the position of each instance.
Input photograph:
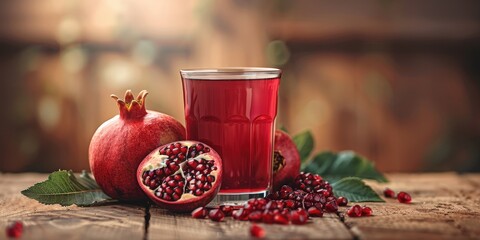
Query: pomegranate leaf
(355, 190)
(304, 142)
(64, 188)
(335, 166)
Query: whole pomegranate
(181, 176)
(121, 143)
(286, 161)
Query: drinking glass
(233, 110)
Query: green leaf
(62, 187)
(355, 190)
(304, 142)
(335, 166)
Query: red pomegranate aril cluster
(196, 178)
(199, 179)
(310, 196)
(358, 211)
(171, 188)
(309, 182)
(175, 151)
(15, 229)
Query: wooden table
(445, 206)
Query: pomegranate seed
(216, 215)
(249, 207)
(257, 231)
(342, 201)
(404, 197)
(366, 211)
(315, 212)
(271, 205)
(280, 219)
(331, 206)
(200, 212)
(15, 229)
(289, 204)
(267, 217)
(389, 193)
(183, 149)
(227, 210)
(192, 163)
(255, 216)
(175, 151)
(240, 214)
(299, 216)
(355, 211)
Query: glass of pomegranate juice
(233, 110)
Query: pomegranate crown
(131, 107)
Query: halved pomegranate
(181, 176)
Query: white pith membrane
(158, 161)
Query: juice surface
(236, 118)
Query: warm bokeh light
(397, 81)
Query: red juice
(237, 118)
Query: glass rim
(231, 73)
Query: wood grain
(445, 206)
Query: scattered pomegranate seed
(299, 216)
(331, 206)
(280, 219)
(342, 201)
(15, 229)
(255, 216)
(200, 212)
(315, 212)
(404, 197)
(355, 211)
(267, 217)
(366, 211)
(240, 214)
(389, 193)
(227, 210)
(257, 231)
(216, 215)
(310, 196)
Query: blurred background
(396, 81)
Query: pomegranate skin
(120, 144)
(188, 201)
(286, 160)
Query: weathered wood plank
(117, 221)
(126, 221)
(444, 206)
